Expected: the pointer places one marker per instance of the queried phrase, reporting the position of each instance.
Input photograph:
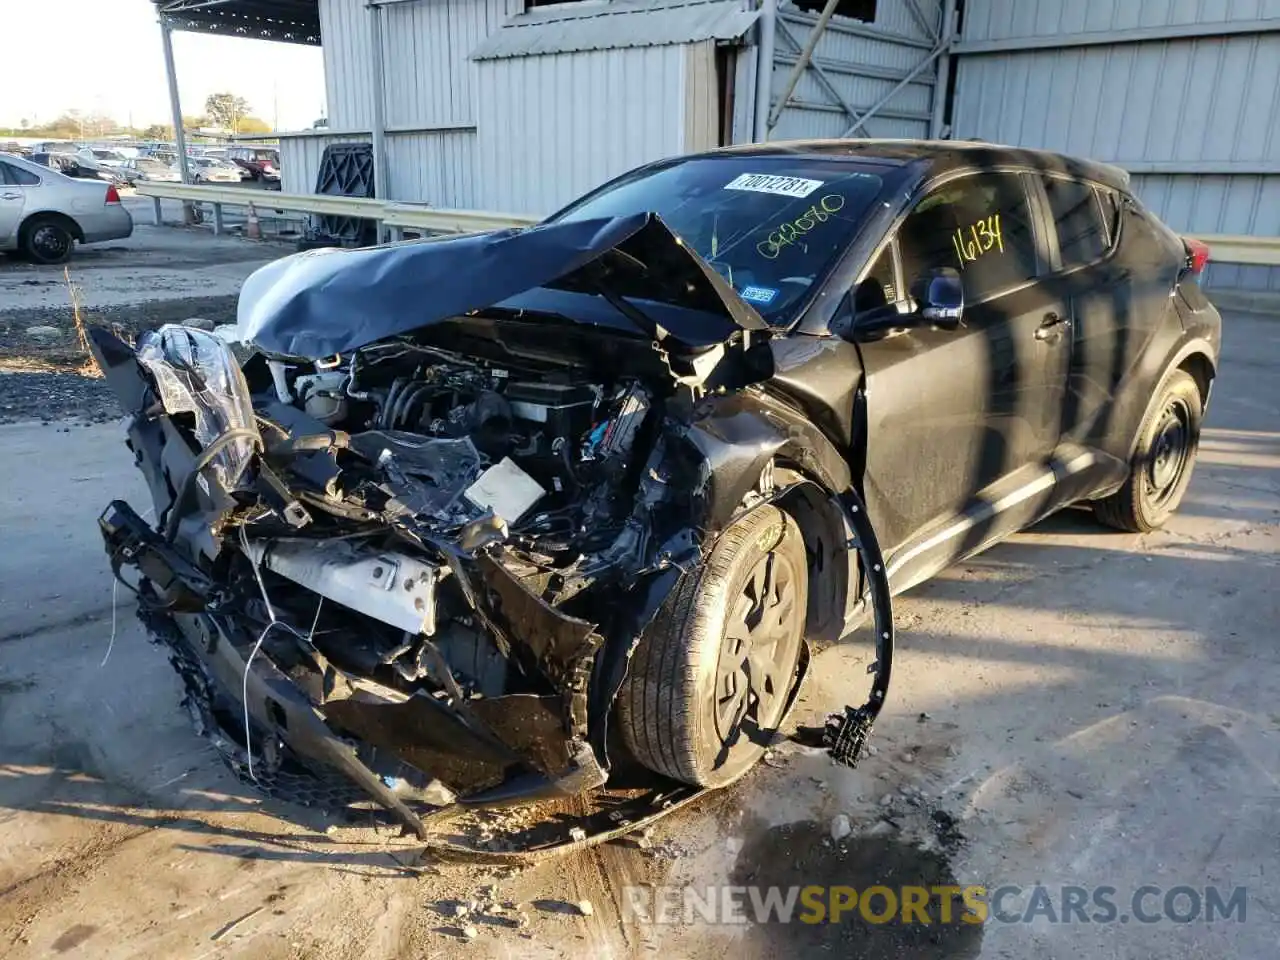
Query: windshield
(772, 226)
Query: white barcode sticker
(769, 183)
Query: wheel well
(823, 529)
(1201, 370)
(53, 215)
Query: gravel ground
(50, 397)
(157, 276)
(40, 376)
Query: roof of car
(938, 156)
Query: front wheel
(710, 679)
(1162, 462)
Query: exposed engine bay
(461, 441)
(425, 561)
(463, 454)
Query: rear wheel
(46, 240)
(709, 681)
(1161, 467)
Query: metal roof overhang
(577, 27)
(284, 21)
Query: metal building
(519, 105)
(1183, 94)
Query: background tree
(254, 125)
(226, 110)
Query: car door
(1107, 334)
(12, 199)
(1118, 268)
(961, 423)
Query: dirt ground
(157, 276)
(1074, 707)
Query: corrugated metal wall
(1005, 19)
(1194, 118)
(344, 37)
(551, 127)
(429, 80)
(436, 167)
(864, 63)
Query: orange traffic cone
(252, 229)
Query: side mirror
(939, 297)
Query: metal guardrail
(397, 217)
(1225, 248)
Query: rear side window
(980, 225)
(1082, 235)
(17, 176)
(1111, 208)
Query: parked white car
(214, 170)
(43, 213)
(157, 171)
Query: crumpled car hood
(331, 301)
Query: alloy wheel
(753, 675)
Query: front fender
(730, 442)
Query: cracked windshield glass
(772, 226)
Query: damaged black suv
(492, 517)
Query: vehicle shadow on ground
(73, 792)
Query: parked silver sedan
(214, 170)
(43, 212)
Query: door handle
(1053, 327)
(10, 196)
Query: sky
(105, 56)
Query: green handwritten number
(788, 233)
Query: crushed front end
(418, 603)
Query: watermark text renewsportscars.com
(935, 905)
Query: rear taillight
(113, 195)
(1197, 255)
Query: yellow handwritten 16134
(793, 230)
(973, 241)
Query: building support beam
(819, 71)
(879, 104)
(806, 54)
(379, 87)
(943, 84)
(175, 109)
(913, 7)
(767, 42)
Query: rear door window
(17, 176)
(1111, 207)
(1082, 235)
(980, 225)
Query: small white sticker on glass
(769, 183)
